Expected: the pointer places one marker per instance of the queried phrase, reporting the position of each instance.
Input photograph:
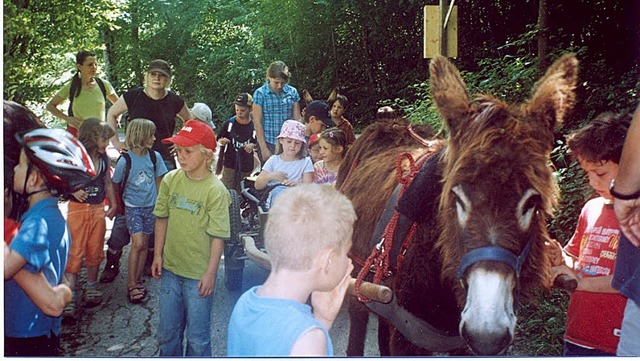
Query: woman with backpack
(86, 92)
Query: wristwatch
(624, 197)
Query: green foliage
(40, 42)
(541, 325)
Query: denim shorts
(140, 219)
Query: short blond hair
(208, 153)
(139, 131)
(304, 220)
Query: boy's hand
(562, 270)
(249, 148)
(223, 141)
(326, 305)
(554, 252)
(206, 284)
(156, 267)
(80, 195)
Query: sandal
(136, 294)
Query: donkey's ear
(449, 92)
(553, 95)
(306, 96)
(333, 96)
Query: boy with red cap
(192, 223)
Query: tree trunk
(109, 56)
(543, 36)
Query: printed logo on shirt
(183, 203)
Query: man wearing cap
(317, 117)
(238, 139)
(274, 102)
(154, 102)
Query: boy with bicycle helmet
(52, 162)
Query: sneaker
(92, 297)
(70, 311)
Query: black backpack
(75, 89)
(127, 170)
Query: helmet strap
(24, 186)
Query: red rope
(379, 261)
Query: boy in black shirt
(238, 141)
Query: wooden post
(443, 8)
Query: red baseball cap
(192, 133)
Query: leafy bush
(540, 327)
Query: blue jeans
(630, 333)
(571, 349)
(182, 309)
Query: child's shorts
(140, 219)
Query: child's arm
(160, 235)
(13, 262)
(208, 280)
(326, 305)
(311, 343)
(265, 177)
(308, 177)
(599, 284)
(51, 300)
(111, 196)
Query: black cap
(320, 110)
(244, 99)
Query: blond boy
(192, 222)
(307, 236)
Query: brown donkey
(479, 208)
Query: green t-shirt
(197, 211)
(89, 104)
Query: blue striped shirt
(276, 108)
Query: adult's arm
(52, 107)
(297, 115)
(628, 182)
(119, 107)
(257, 124)
(184, 113)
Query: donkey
(479, 214)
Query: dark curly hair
(602, 139)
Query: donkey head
(497, 192)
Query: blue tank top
(262, 326)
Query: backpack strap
(73, 89)
(152, 155)
(127, 166)
(127, 169)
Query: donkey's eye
(526, 208)
(463, 205)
